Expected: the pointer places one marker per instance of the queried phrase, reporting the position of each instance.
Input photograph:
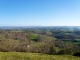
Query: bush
(76, 54)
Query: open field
(34, 56)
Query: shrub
(76, 53)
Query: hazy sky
(39, 12)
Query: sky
(39, 12)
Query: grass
(33, 36)
(34, 56)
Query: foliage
(76, 53)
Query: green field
(34, 56)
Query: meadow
(34, 56)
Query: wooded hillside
(49, 40)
